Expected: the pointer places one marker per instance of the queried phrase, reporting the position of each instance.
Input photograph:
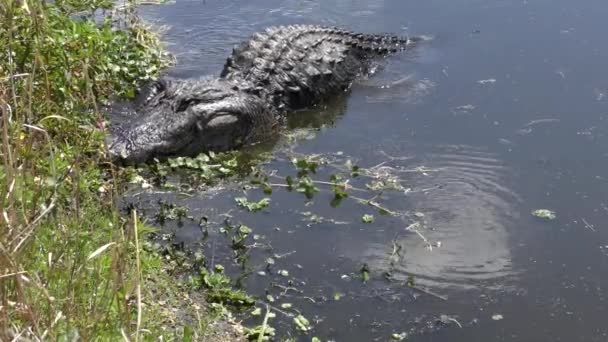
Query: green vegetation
(367, 218)
(544, 214)
(252, 206)
(70, 266)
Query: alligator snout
(121, 150)
(190, 117)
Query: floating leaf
(364, 273)
(244, 229)
(302, 323)
(252, 206)
(307, 186)
(411, 281)
(355, 171)
(544, 214)
(399, 337)
(289, 182)
(267, 189)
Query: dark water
(506, 108)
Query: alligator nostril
(117, 150)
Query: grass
(71, 267)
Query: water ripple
(466, 223)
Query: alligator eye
(183, 105)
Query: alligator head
(190, 117)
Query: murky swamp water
(503, 112)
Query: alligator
(281, 70)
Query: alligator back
(294, 67)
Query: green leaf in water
(244, 230)
(411, 281)
(367, 218)
(252, 206)
(399, 337)
(364, 273)
(302, 323)
(289, 182)
(545, 214)
(307, 186)
(355, 171)
(267, 188)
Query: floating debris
(541, 121)
(419, 214)
(588, 225)
(544, 214)
(488, 81)
(600, 95)
(464, 108)
(504, 141)
(445, 319)
(530, 126)
(561, 73)
(497, 317)
(399, 337)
